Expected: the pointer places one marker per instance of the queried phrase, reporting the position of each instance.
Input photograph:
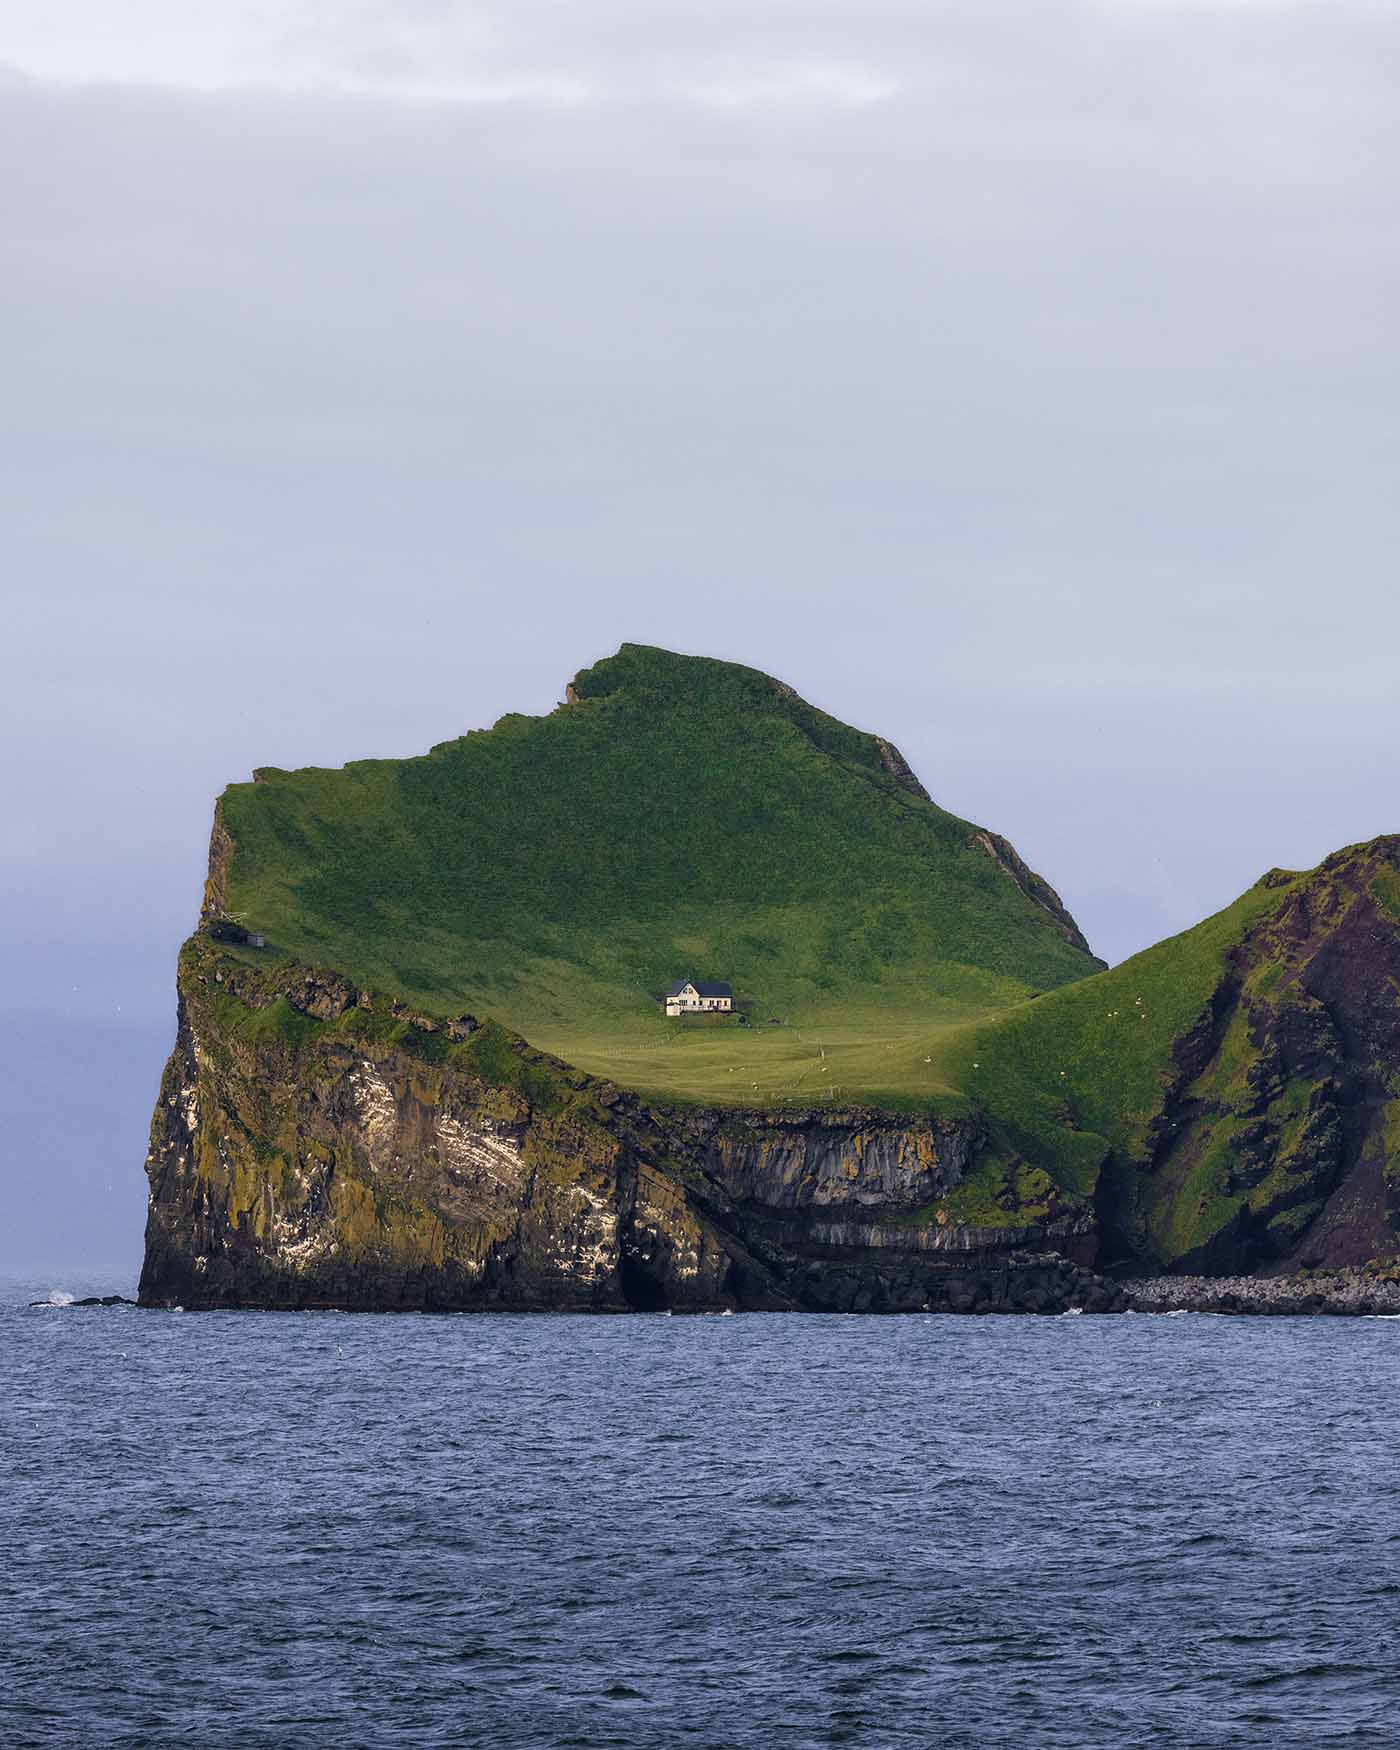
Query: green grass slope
(1228, 1098)
(1079, 1070)
(678, 816)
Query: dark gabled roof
(703, 987)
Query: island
(428, 1054)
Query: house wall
(686, 1004)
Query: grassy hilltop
(678, 816)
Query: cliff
(1277, 1142)
(319, 1145)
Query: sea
(321, 1529)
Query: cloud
(489, 55)
(1260, 6)
(561, 90)
(839, 87)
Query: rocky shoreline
(1354, 1293)
(1056, 1288)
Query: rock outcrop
(1277, 1142)
(1035, 887)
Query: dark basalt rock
(1343, 1293)
(1273, 1146)
(88, 1300)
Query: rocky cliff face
(317, 1145)
(1277, 1144)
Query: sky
(1017, 378)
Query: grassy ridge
(679, 816)
(1101, 1049)
(1084, 1068)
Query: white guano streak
(594, 1252)
(374, 1103)
(480, 1151)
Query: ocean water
(330, 1530)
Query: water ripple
(321, 1530)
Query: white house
(696, 996)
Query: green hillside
(1085, 1068)
(1231, 1097)
(678, 816)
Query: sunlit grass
(865, 1053)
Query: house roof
(702, 987)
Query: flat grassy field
(859, 1052)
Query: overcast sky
(1020, 380)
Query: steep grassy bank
(1229, 1097)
